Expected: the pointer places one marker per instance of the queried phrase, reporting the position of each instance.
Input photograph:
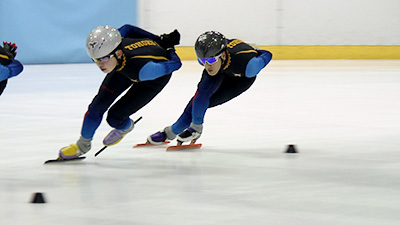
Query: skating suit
(8, 68)
(143, 70)
(238, 72)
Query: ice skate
(188, 135)
(181, 146)
(157, 138)
(61, 160)
(115, 136)
(112, 138)
(70, 152)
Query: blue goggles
(104, 58)
(210, 60)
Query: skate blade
(183, 147)
(59, 160)
(149, 144)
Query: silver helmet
(102, 41)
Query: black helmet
(210, 44)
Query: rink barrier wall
(317, 52)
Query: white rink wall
(52, 32)
(278, 22)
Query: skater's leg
(139, 95)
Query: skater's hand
(10, 49)
(170, 40)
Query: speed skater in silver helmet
(135, 61)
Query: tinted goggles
(103, 59)
(210, 60)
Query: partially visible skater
(230, 68)
(135, 61)
(9, 67)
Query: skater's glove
(168, 41)
(10, 49)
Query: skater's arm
(206, 88)
(130, 31)
(11, 70)
(153, 70)
(165, 40)
(256, 64)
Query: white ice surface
(342, 115)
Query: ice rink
(343, 116)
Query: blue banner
(55, 31)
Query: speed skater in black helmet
(230, 68)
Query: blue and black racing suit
(145, 68)
(8, 68)
(238, 72)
